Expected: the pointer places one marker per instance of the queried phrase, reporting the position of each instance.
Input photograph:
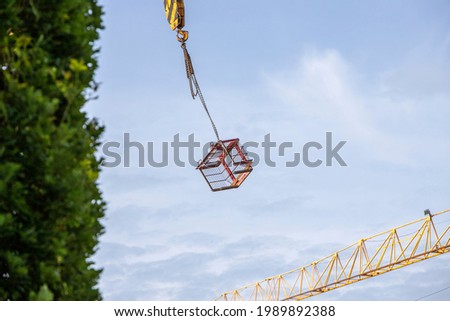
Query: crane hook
(182, 35)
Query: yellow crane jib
(371, 256)
(175, 16)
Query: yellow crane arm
(372, 256)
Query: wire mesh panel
(226, 165)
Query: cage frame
(238, 175)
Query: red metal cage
(226, 165)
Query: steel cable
(195, 87)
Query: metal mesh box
(226, 165)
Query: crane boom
(404, 245)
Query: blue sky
(374, 73)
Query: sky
(372, 73)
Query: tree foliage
(50, 204)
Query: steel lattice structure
(404, 245)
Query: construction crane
(226, 165)
(401, 246)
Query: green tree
(50, 203)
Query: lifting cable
(175, 16)
(194, 84)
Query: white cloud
(327, 90)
